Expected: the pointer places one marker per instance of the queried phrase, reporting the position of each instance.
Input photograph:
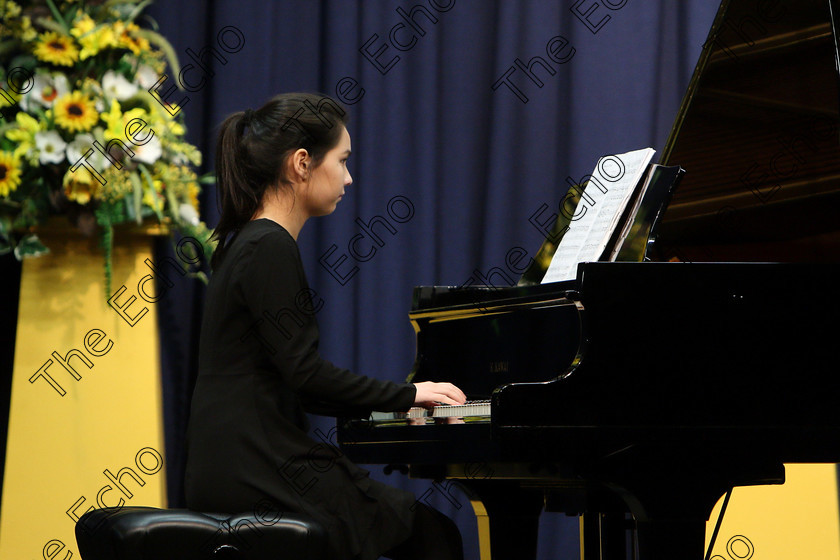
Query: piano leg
(508, 518)
(603, 536)
(671, 539)
(671, 498)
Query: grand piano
(615, 395)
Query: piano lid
(757, 134)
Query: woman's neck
(284, 211)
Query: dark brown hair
(253, 147)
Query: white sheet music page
(602, 202)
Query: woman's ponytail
(235, 199)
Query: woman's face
(327, 181)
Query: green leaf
(174, 207)
(52, 25)
(153, 24)
(128, 207)
(26, 61)
(5, 227)
(7, 126)
(140, 7)
(30, 246)
(208, 179)
(71, 15)
(151, 186)
(58, 17)
(138, 197)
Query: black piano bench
(146, 533)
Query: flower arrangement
(80, 133)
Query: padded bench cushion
(146, 533)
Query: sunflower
(127, 37)
(56, 49)
(9, 173)
(75, 112)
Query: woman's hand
(430, 393)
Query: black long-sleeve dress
(259, 371)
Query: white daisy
(50, 146)
(149, 152)
(45, 90)
(146, 76)
(115, 86)
(78, 148)
(188, 213)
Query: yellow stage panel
(88, 433)
(798, 519)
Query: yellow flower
(126, 38)
(192, 194)
(12, 10)
(75, 112)
(24, 134)
(56, 49)
(83, 25)
(117, 120)
(9, 173)
(28, 32)
(80, 186)
(117, 185)
(163, 121)
(153, 198)
(92, 38)
(16, 97)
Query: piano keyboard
(468, 409)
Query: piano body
(608, 392)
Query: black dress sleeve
(273, 286)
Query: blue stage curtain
(472, 163)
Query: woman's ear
(301, 164)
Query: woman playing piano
(259, 367)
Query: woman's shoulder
(259, 232)
(264, 239)
(264, 228)
(260, 237)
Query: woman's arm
(269, 282)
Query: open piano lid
(757, 133)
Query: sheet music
(634, 212)
(601, 205)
